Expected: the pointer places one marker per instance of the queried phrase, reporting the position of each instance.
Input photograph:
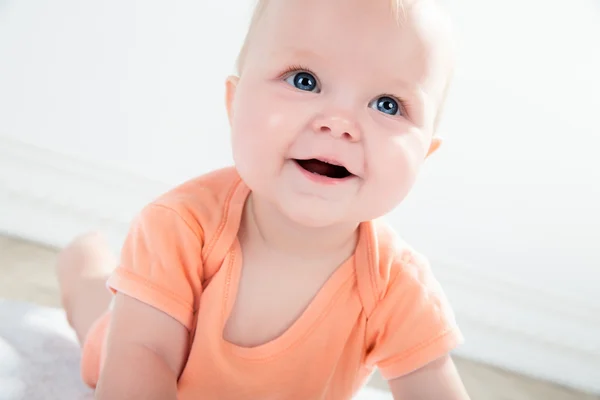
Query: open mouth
(324, 169)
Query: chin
(312, 217)
(307, 218)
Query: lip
(329, 159)
(320, 179)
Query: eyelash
(292, 69)
(295, 68)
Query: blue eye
(386, 105)
(303, 81)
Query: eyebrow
(412, 91)
(296, 52)
(407, 86)
(307, 53)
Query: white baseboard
(49, 197)
(523, 328)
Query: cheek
(252, 126)
(395, 166)
(264, 124)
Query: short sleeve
(413, 324)
(161, 263)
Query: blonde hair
(261, 5)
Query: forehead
(365, 35)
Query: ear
(436, 142)
(230, 89)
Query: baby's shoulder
(396, 263)
(202, 201)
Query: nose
(338, 126)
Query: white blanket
(39, 356)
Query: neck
(279, 234)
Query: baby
(276, 278)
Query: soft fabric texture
(381, 308)
(39, 356)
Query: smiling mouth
(322, 168)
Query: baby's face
(333, 113)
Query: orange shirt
(382, 308)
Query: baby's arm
(146, 352)
(437, 380)
(412, 331)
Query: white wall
(519, 181)
(135, 84)
(104, 104)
